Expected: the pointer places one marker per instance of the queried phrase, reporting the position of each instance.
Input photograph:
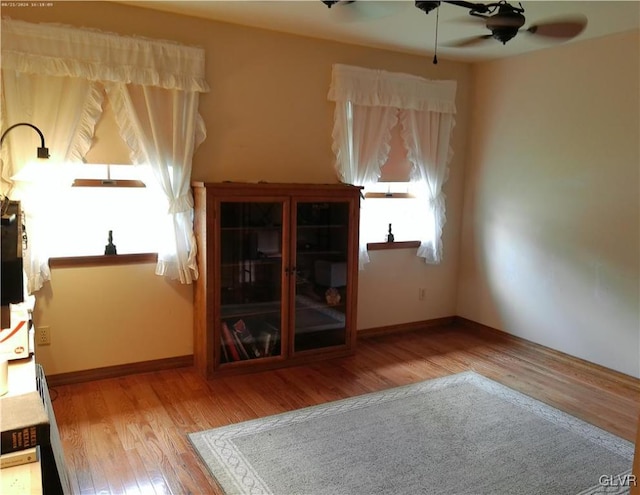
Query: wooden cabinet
(278, 267)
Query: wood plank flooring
(128, 435)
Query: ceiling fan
(503, 20)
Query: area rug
(460, 434)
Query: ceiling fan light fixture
(504, 34)
(427, 7)
(506, 23)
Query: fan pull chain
(435, 51)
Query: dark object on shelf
(250, 339)
(13, 236)
(111, 247)
(390, 237)
(12, 245)
(331, 273)
(24, 422)
(332, 296)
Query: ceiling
(399, 25)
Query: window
(392, 199)
(53, 74)
(369, 104)
(79, 218)
(82, 217)
(391, 205)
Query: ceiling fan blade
(467, 42)
(363, 10)
(565, 28)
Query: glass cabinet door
(251, 239)
(320, 261)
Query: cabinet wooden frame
(207, 295)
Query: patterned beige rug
(461, 434)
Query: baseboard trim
(119, 370)
(406, 327)
(187, 361)
(461, 320)
(580, 362)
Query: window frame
(394, 190)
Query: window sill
(379, 246)
(396, 195)
(105, 260)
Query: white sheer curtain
(165, 75)
(427, 111)
(362, 136)
(65, 110)
(163, 128)
(426, 136)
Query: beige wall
(104, 316)
(550, 246)
(550, 242)
(267, 118)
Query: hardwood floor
(129, 434)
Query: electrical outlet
(44, 336)
(421, 293)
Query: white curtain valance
(58, 50)
(154, 87)
(370, 87)
(368, 103)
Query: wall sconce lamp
(43, 151)
(31, 172)
(13, 238)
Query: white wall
(550, 244)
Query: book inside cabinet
(278, 274)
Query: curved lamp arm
(43, 151)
